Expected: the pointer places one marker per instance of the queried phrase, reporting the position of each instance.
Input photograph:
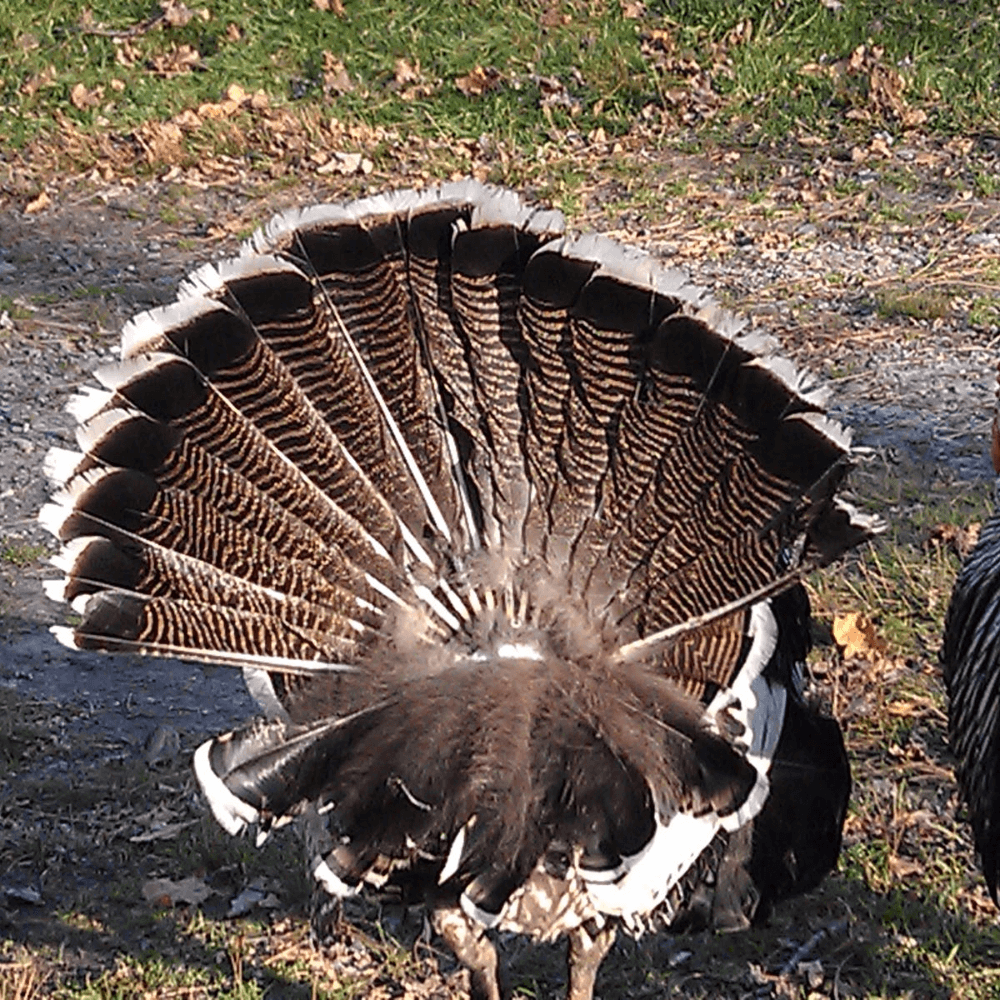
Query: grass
(984, 312)
(525, 75)
(22, 976)
(14, 308)
(19, 553)
(894, 302)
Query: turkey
(970, 658)
(505, 529)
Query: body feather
(970, 656)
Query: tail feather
(493, 517)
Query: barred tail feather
(501, 525)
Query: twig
(133, 32)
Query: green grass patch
(19, 553)
(14, 308)
(892, 303)
(984, 312)
(519, 74)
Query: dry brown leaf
(741, 34)
(885, 91)
(161, 142)
(126, 54)
(35, 83)
(404, 73)
(347, 164)
(553, 17)
(38, 203)
(233, 33)
(166, 892)
(175, 13)
(961, 145)
(480, 80)
(335, 76)
(904, 867)
(82, 98)
(856, 636)
(187, 119)
(335, 6)
(960, 540)
(180, 59)
(632, 9)
(857, 59)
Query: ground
(881, 287)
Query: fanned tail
(493, 517)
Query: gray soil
(918, 394)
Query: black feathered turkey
(970, 657)
(504, 528)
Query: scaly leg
(473, 949)
(586, 952)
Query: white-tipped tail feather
(504, 527)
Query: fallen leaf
(904, 867)
(44, 79)
(553, 17)
(346, 164)
(812, 972)
(960, 540)
(479, 81)
(404, 73)
(166, 892)
(175, 13)
(335, 6)
(335, 76)
(180, 59)
(37, 204)
(857, 637)
(187, 119)
(82, 98)
(126, 54)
